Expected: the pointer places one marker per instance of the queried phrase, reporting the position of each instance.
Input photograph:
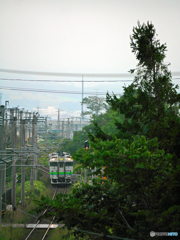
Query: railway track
(44, 169)
(45, 234)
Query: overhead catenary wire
(73, 81)
(48, 80)
(177, 73)
(65, 74)
(52, 91)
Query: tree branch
(125, 221)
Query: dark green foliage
(103, 123)
(72, 145)
(136, 198)
(150, 103)
(141, 155)
(144, 45)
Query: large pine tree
(150, 103)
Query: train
(60, 169)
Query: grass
(20, 217)
(9, 233)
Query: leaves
(138, 140)
(29, 193)
(95, 104)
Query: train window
(69, 164)
(61, 164)
(53, 164)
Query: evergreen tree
(150, 103)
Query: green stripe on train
(60, 173)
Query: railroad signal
(86, 144)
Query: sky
(72, 40)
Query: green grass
(9, 233)
(20, 217)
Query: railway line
(60, 172)
(38, 222)
(44, 169)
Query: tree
(131, 202)
(104, 120)
(72, 145)
(94, 104)
(148, 50)
(149, 103)
(141, 192)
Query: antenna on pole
(82, 98)
(0, 98)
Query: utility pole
(82, 98)
(45, 128)
(5, 143)
(26, 126)
(32, 169)
(22, 144)
(1, 183)
(29, 128)
(59, 110)
(72, 128)
(1, 148)
(13, 134)
(34, 146)
(0, 98)
(15, 126)
(5, 125)
(63, 129)
(2, 138)
(68, 130)
(11, 127)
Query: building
(64, 128)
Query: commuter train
(60, 169)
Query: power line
(66, 74)
(74, 81)
(80, 81)
(73, 74)
(52, 91)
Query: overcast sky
(77, 36)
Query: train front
(53, 168)
(69, 168)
